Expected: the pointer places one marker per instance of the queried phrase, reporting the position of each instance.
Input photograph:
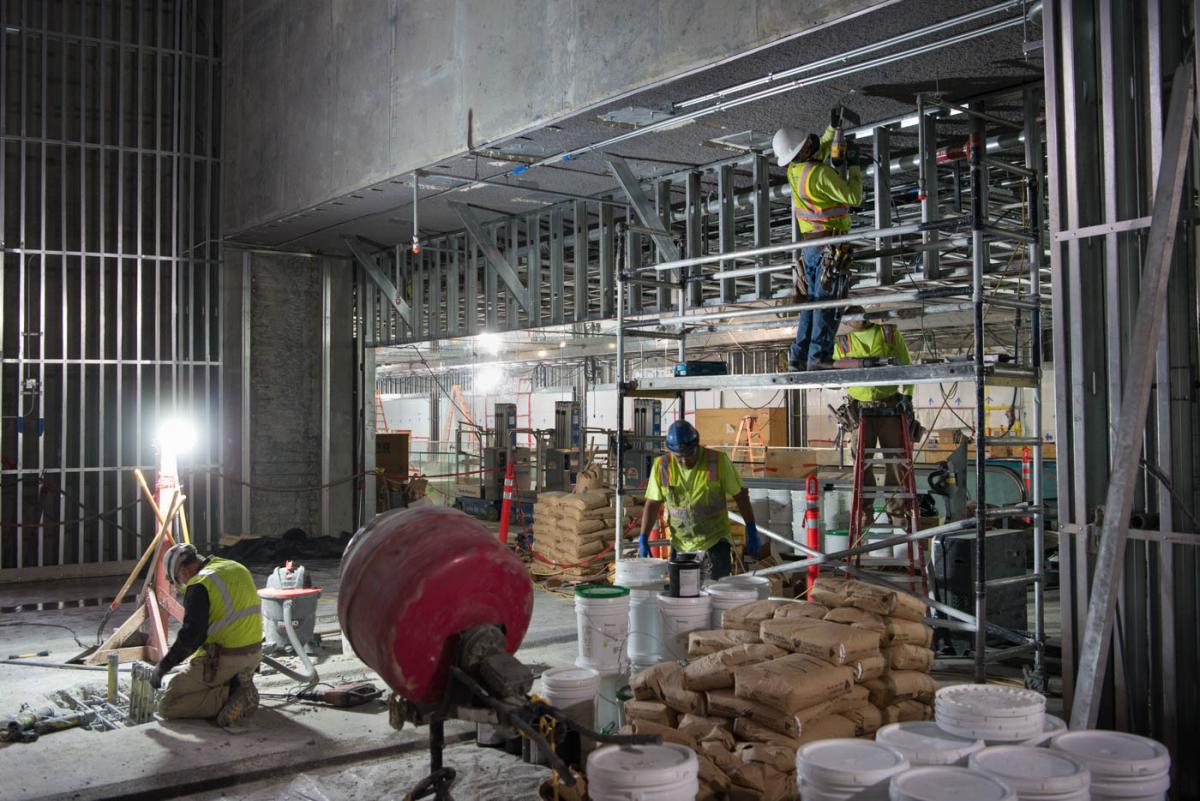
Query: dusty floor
(345, 753)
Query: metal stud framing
(109, 283)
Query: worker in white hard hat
(821, 202)
(222, 628)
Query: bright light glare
(178, 434)
(542, 354)
(562, 344)
(612, 345)
(489, 342)
(909, 122)
(488, 378)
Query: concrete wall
(285, 375)
(324, 97)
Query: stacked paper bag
(575, 531)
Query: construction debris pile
(780, 674)
(573, 532)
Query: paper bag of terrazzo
(755, 732)
(792, 682)
(827, 728)
(829, 592)
(756, 781)
(797, 609)
(905, 711)
(902, 656)
(748, 617)
(866, 718)
(855, 696)
(850, 616)
(668, 734)
(871, 667)
(901, 685)
(652, 711)
(727, 705)
(709, 641)
(678, 697)
(582, 501)
(832, 642)
(646, 685)
(714, 671)
(589, 478)
(714, 783)
(908, 631)
(883, 601)
(702, 730)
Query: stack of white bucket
(666, 772)
(761, 504)
(1035, 774)
(779, 511)
(760, 584)
(1123, 766)
(573, 691)
(799, 507)
(680, 617)
(724, 596)
(840, 769)
(990, 712)
(926, 745)
(602, 628)
(945, 783)
(645, 579)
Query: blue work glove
(644, 544)
(752, 539)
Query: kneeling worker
(222, 626)
(882, 410)
(694, 483)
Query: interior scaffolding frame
(1022, 297)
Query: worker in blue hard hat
(694, 483)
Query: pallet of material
(781, 674)
(573, 532)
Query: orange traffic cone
(506, 506)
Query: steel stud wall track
(109, 280)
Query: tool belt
(835, 270)
(213, 652)
(851, 413)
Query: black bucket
(684, 574)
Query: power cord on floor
(74, 636)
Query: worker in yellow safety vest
(821, 203)
(222, 626)
(877, 412)
(694, 484)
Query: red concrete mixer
(412, 580)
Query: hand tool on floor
(29, 655)
(342, 696)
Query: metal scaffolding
(110, 274)
(940, 278)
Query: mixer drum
(412, 579)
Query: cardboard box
(391, 454)
(720, 426)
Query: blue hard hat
(682, 437)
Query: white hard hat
(786, 144)
(176, 555)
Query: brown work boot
(241, 704)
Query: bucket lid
(1113, 753)
(645, 765)
(666, 599)
(926, 744)
(599, 592)
(988, 735)
(743, 580)
(857, 763)
(990, 701)
(641, 570)
(1052, 726)
(1033, 770)
(732, 592)
(570, 678)
(1033, 723)
(944, 783)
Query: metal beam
(495, 258)
(370, 263)
(643, 208)
(1110, 559)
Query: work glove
(835, 117)
(871, 361)
(905, 405)
(752, 544)
(644, 544)
(853, 156)
(156, 679)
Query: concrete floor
(344, 752)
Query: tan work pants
(193, 695)
(883, 432)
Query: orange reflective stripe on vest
(810, 209)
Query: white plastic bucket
(779, 506)
(839, 768)
(836, 509)
(836, 540)
(1035, 774)
(924, 744)
(602, 624)
(727, 596)
(573, 690)
(665, 772)
(760, 503)
(680, 617)
(645, 579)
(1051, 727)
(990, 712)
(945, 783)
(760, 584)
(1123, 766)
